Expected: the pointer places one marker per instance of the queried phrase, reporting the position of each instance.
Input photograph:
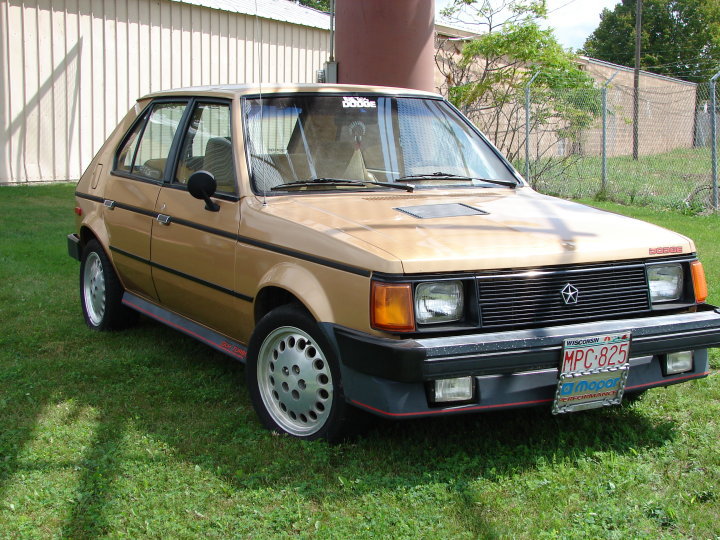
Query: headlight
(666, 282)
(439, 302)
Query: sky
(572, 20)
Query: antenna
(260, 77)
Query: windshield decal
(349, 102)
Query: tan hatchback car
(364, 248)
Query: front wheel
(293, 377)
(101, 291)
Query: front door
(193, 248)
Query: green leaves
(680, 38)
(486, 76)
(322, 5)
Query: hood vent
(431, 211)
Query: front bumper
(511, 369)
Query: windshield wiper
(449, 176)
(340, 182)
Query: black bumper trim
(513, 405)
(468, 408)
(73, 246)
(416, 360)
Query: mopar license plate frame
(593, 372)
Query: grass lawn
(147, 433)
(659, 180)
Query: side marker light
(699, 282)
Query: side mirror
(202, 185)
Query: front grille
(529, 299)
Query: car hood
(506, 229)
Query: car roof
(238, 90)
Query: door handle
(163, 219)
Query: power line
(558, 8)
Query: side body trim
(242, 239)
(217, 341)
(183, 275)
(305, 256)
(89, 197)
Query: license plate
(593, 372)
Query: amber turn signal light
(391, 307)
(699, 283)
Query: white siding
(70, 69)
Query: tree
(485, 78)
(680, 38)
(321, 5)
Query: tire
(293, 378)
(101, 291)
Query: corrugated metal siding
(278, 10)
(72, 68)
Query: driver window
(208, 147)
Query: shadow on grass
(100, 466)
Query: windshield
(306, 141)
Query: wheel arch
(86, 235)
(94, 229)
(291, 284)
(88, 232)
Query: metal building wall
(70, 69)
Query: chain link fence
(582, 143)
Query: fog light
(460, 389)
(678, 362)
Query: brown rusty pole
(386, 42)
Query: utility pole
(636, 94)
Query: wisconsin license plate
(593, 372)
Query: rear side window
(145, 150)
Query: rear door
(139, 168)
(193, 248)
